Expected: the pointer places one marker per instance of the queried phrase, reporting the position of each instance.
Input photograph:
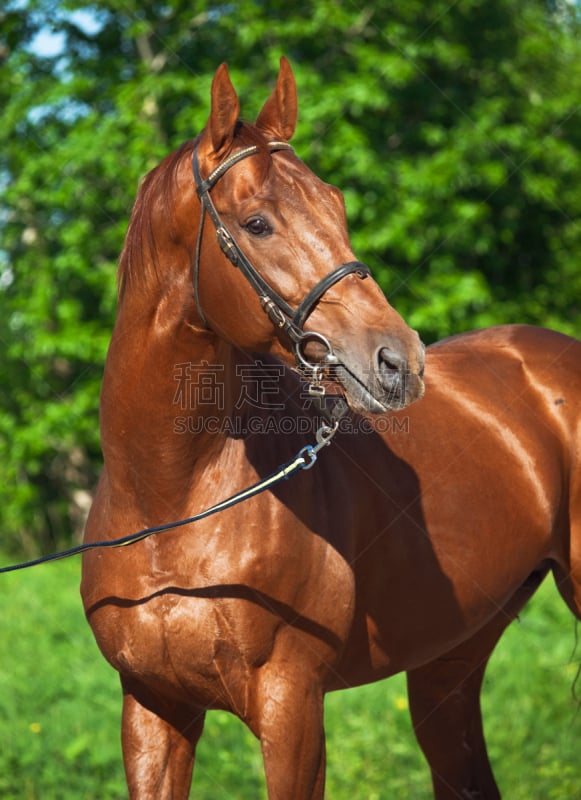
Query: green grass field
(60, 708)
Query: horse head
(272, 237)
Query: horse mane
(139, 260)
(139, 257)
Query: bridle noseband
(282, 315)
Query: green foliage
(59, 700)
(452, 128)
(60, 707)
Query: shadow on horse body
(410, 545)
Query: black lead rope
(304, 459)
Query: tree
(453, 130)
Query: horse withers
(409, 547)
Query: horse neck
(159, 366)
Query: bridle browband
(281, 314)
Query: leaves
(453, 130)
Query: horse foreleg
(159, 744)
(444, 698)
(292, 736)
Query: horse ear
(278, 117)
(225, 111)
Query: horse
(244, 320)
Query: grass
(60, 707)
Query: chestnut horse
(412, 543)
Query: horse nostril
(391, 372)
(388, 361)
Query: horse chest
(206, 630)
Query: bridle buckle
(227, 245)
(316, 388)
(275, 313)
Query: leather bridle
(281, 314)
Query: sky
(46, 43)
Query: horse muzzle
(391, 382)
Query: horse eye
(257, 226)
